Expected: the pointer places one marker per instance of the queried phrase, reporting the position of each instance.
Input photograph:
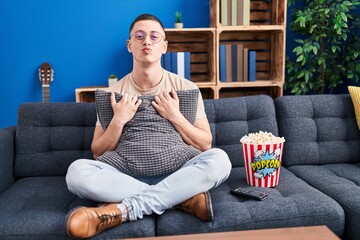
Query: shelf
(252, 28)
(186, 30)
(257, 83)
(200, 42)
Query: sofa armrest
(7, 156)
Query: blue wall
(83, 40)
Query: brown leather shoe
(86, 222)
(199, 205)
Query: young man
(129, 198)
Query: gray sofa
(319, 181)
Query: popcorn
(261, 137)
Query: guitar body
(46, 75)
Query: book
(183, 64)
(180, 64)
(246, 12)
(234, 63)
(240, 12)
(252, 65)
(229, 12)
(166, 61)
(240, 63)
(234, 11)
(174, 62)
(228, 54)
(246, 64)
(222, 62)
(187, 68)
(224, 12)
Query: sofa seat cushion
(36, 208)
(342, 183)
(292, 203)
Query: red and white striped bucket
(262, 163)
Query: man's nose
(147, 40)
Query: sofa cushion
(323, 147)
(36, 208)
(50, 136)
(292, 203)
(341, 182)
(149, 144)
(355, 97)
(319, 129)
(232, 118)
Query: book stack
(235, 12)
(237, 64)
(177, 62)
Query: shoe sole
(209, 206)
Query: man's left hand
(168, 106)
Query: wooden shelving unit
(265, 34)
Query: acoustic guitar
(46, 76)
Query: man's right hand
(124, 111)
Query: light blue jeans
(101, 182)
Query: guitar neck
(45, 93)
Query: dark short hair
(143, 17)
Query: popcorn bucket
(262, 163)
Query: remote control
(240, 191)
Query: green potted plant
(178, 20)
(112, 79)
(328, 50)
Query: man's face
(147, 41)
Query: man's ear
(128, 44)
(165, 46)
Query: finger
(162, 96)
(154, 104)
(125, 96)
(167, 95)
(138, 103)
(174, 95)
(133, 99)
(157, 99)
(112, 98)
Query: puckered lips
(146, 50)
